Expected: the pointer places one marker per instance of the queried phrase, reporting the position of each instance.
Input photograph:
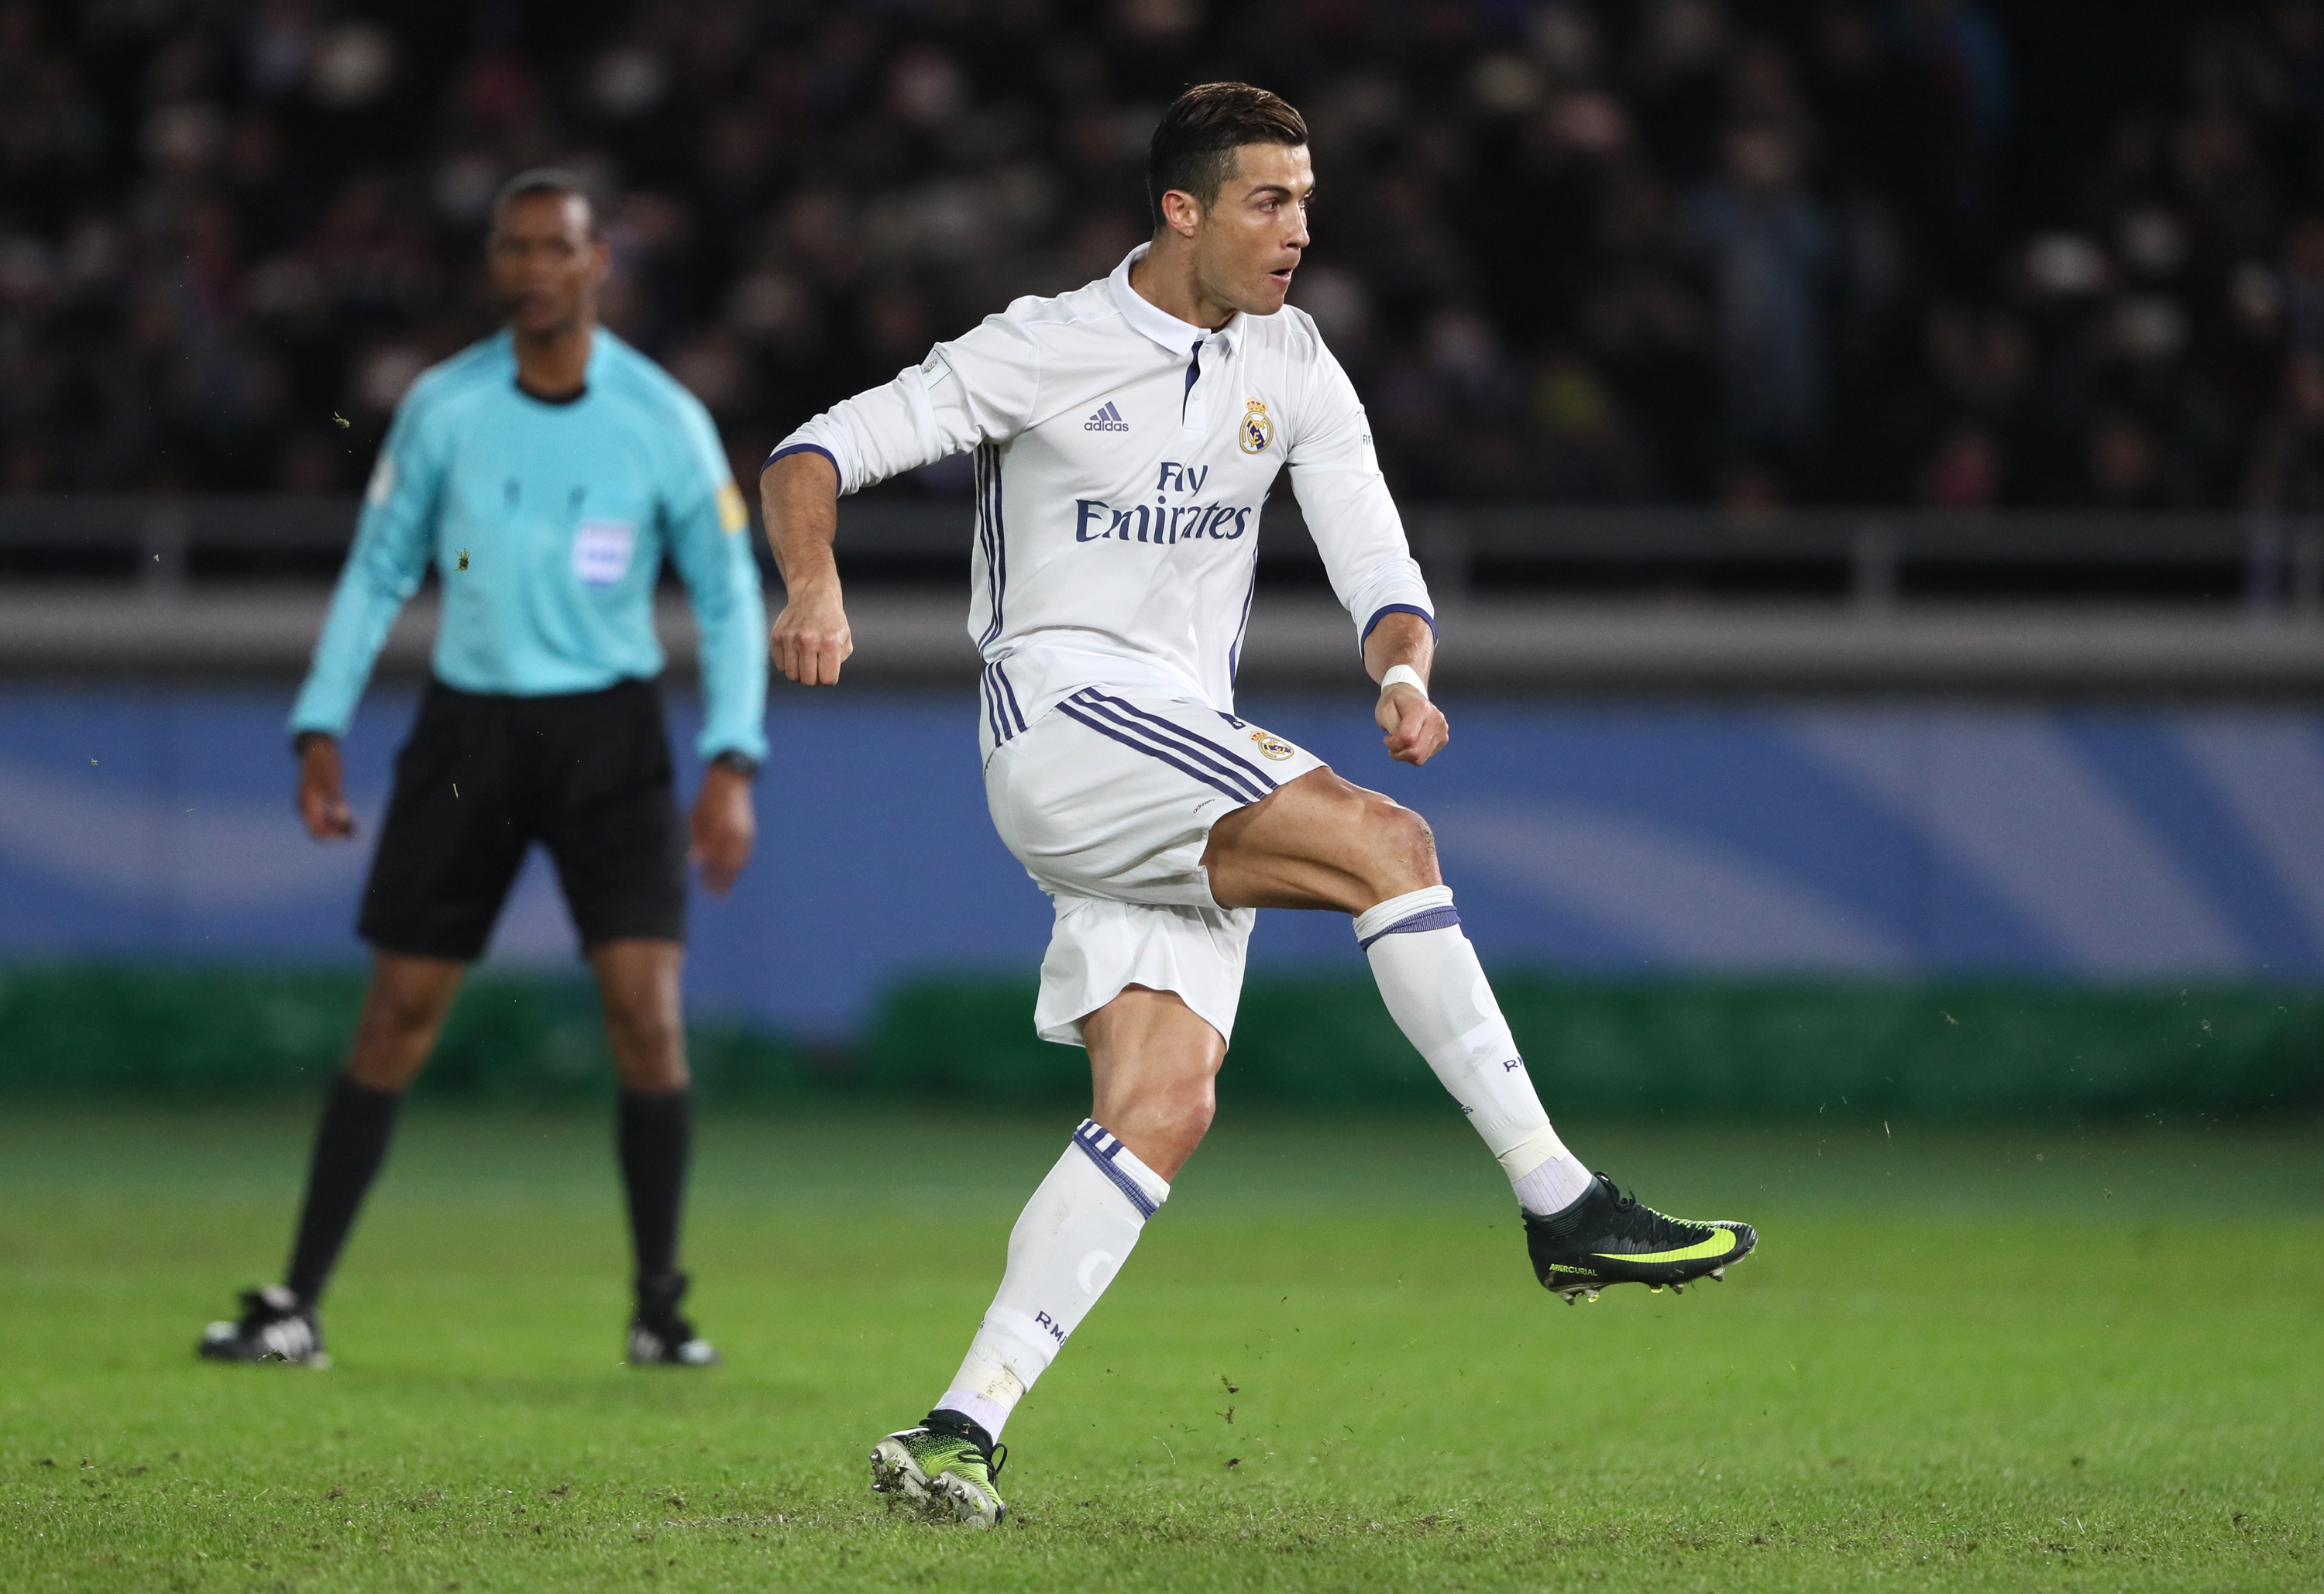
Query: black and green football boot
(1606, 1238)
(946, 1467)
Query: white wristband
(1404, 675)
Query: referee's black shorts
(482, 778)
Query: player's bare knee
(1403, 850)
(648, 1045)
(394, 1017)
(1192, 1115)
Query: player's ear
(1182, 213)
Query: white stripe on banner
(2003, 795)
(2269, 770)
(1683, 897)
(115, 837)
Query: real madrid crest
(1258, 431)
(1274, 747)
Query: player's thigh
(1321, 842)
(1114, 795)
(455, 833)
(607, 810)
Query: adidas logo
(1108, 419)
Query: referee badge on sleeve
(732, 516)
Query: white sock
(1435, 990)
(1069, 1242)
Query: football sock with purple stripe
(1429, 976)
(1070, 1239)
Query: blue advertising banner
(2134, 843)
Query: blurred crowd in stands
(1701, 251)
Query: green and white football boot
(1606, 1238)
(946, 1467)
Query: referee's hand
(322, 790)
(724, 828)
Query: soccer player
(544, 473)
(1125, 436)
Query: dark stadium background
(1867, 456)
(2027, 255)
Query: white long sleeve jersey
(1122, 458)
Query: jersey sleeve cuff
(753, 748)
(1385, 610)
(788, 449)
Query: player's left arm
(709, 541)
(1415, 727)
(1345, 501)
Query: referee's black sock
(655, 1135)
(349, 1144)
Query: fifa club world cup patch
(1270, 746)
(1257, 430)
(601, 551)
(733, 513)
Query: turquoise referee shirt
(546, 524)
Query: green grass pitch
(2024, 1358)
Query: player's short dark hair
(1193, 149)
(554, 182)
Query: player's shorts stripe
(1171, 731)
(1193, 749)
(1010, 692)
(1089, 1142)
(988, 700)
(1001, 715)
(1150, 751)
(1179, 741)
(1427, 918)
(1168, 730)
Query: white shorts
(1108, 801)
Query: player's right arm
(810, 639)
(979, 389)
(384, 566)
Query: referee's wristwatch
(738, 763)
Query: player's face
(1250, 239)
(545, 266)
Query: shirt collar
(591, 372)
(1158, 324)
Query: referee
(544, 473)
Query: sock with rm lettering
(1435, 989)
(1070, 1239)
(349, 1144)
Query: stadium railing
(1547, 595)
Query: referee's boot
(275, 1325)
(1607, 1238)
(659, 1336)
